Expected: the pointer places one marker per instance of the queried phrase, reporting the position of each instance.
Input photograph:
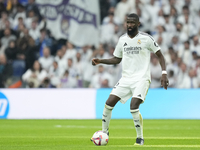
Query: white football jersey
(135, 54)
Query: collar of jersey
(134, 36)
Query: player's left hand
(164, 81)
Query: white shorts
(125, 89)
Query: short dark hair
(187, 42)
(185, 7)
(43, 30)
(134, 16)
(166, 15)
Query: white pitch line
(179, 138)
(74, 126)
(191, 146)
(128, 127)
(87, 137)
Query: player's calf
(107, 112)
(138, 122)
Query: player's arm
(164, 79)
(111, 61)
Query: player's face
(132, 25)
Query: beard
(131, 32)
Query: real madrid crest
(139, 41)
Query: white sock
(138, 121)
(107, 112)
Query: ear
(138, 24)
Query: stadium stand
(32, 58)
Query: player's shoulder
(123, 36)
(146, 35)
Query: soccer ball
(100, 138)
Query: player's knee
(108, 107)
(135, 103)
(112, 100)
(110, 103)
(134, 106)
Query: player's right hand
(164, 81)
(95, 61)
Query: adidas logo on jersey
(125, 44)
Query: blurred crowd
(31, 57)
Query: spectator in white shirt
(169, 26)
(46, 60)
(162, 32)
(180, 33)
(188, 26)
(183, 79)
(160, 19)
(71, 51)
(99, 77)
(60, 59)
(194, 6)
(195, 45)
(67, 81)
(110, 16)
(34, 32)
(155, 75)
(55, 74)
(87, 74)
(107, 31)
(73, 72)
(175, 63)
(30, 19)
(153, 10)
(86, 53)
(171, 4)
(180, 18)
(143, 16)
(33, 77)
(197, 20)
(194, 82)
(163, 46)
(175, 43)
(122, 9)
(114, 70)
(185, 53)
(173, 15)
(102, 53)
(194, 60)
(4, 19)
(171, 78)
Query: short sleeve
(118, 50)
(153, 46)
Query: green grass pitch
(76, 134)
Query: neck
(133, 35)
